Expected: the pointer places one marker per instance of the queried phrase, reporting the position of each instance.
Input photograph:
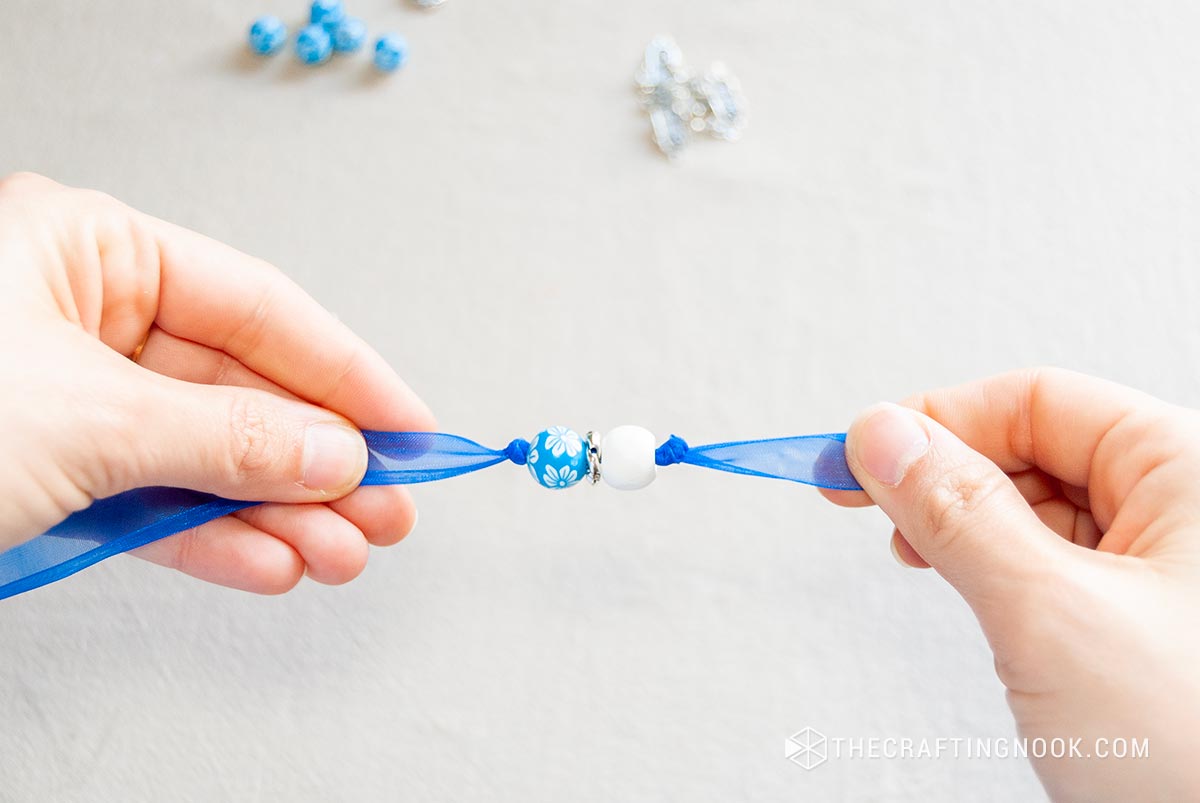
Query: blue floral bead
(557, 458)
(349, 35)
(327, 13)
(267, 35)
(313, 45)
(391, 52)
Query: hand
(1066, 511)
(239, 385)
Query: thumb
(243, 443)
(957, 509)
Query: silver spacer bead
(593, 456)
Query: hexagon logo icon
(806, 748)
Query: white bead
(627, 458)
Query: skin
(1066, 511)
(242, 386)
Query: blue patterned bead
(349, 35)
(557, 458)
(313, 45)
(327, 13)
(391, 52)
(267, 35)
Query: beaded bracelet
(626, 459)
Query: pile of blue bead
(330, 30)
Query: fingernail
(896, 554)
(335, 457)
(889, 442)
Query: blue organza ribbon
(136, 518)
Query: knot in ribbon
(517, 451)
(673, 451)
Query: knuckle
(24, 181)
(1145, 439)
(1037, 375)
(138, 290)
(226, 371)
(130, 267)
(96, 197)
(181, 556)
(248, 336)
(1045, 369)
(255, 430)
(957, 499)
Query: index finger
(217, 296)
(1084, 431)
(1048, 418)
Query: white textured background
(928, 192)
